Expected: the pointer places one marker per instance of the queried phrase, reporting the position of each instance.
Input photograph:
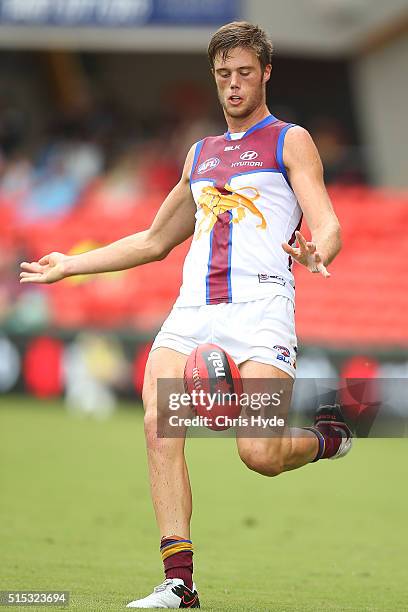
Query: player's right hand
(49, 269)
(307, 255)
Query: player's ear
(267, 73)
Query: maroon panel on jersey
(218, 282)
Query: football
(213, 381)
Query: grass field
(75, 515)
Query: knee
(150, 428)
(150, 418)
(156, 431)
(263, 462)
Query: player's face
(240, 82)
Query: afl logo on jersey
(208, 164)
(249, 155)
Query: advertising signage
(117, 13)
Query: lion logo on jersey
(214, 203)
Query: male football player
(242, 194)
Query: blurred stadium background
(99, 102)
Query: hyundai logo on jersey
(249, 155)
(248, 159)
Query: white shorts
(261, 330)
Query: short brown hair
(240, 34)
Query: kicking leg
(329, 438)
(278, 452)
(170, 490)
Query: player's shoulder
(212, 139)
(196, 148)
(299, 146)
(297, 133)
(278, 132)
(291, 131)
(198, 145)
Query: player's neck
(243, 124)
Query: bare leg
(285, 451)
(169, 481)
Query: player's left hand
(306, 254)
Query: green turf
(75, 515)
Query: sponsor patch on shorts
(283, 354)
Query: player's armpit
(305, 172)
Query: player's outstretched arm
(305, 172)
(173, 224)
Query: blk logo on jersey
(248, 159)
(208, 164)
(214, 203)
(232, 148)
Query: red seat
(366, 299)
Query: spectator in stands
(342, 162)
(16, 177)
(13, 126)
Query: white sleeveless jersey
(245, 210)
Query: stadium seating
(366, 299)
(364, 302)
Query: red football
(213, 381)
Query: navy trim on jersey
(279, 151)
(207, 278)
(229, 259)
(197, 152)
(203, 180)
(261, 124)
